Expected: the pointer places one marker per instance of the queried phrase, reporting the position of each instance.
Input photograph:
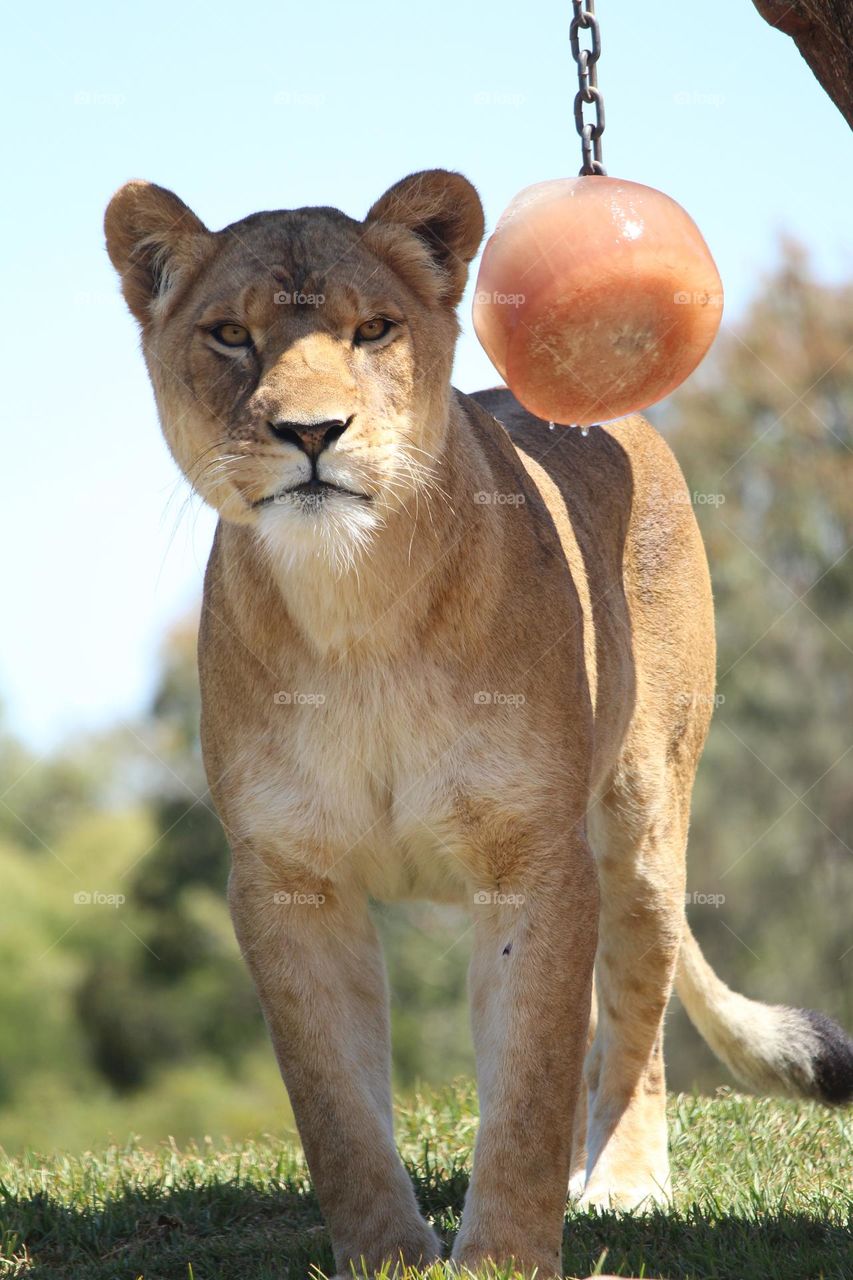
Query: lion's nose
(311, 437)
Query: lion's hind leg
(638, 830)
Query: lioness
(442, 657)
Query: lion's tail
(770, 1048)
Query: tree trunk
(823, 32)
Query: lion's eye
(373, 330)
(232, 335)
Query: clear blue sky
(262, 105)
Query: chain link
(588, 91)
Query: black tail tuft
(833, 1059)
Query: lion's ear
(152, 240)
(444, 211)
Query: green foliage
(141, 980)
(765, 437)
(47, 795)
(427, 949)
(183, 992)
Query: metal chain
(588, 91)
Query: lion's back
(622, 491)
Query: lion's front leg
(530, 986)
(317, 965)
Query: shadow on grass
(231, 1230)
(695, 1245)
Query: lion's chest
(360, 781)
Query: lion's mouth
(310, 493)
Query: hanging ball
(596, 297)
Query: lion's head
(301, 359)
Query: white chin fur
(335, 530)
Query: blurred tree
(42, 796)
(764, 436)
(184, 991)
(427, 948)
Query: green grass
(763, 1189)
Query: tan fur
(443, 691)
